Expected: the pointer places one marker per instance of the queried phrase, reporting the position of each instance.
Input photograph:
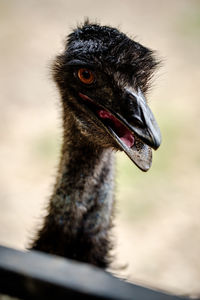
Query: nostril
(136, 117)
(132, 110)
(136, 121)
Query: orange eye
(86, 76)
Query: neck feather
(81, 207)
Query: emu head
(103, 76)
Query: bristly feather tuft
(109, 48)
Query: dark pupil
(86, 74)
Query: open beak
(140, 119)
(134, 129)
(142, 132)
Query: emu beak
(134, 129)
(141, 119)
(142, 131)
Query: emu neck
(80, 210)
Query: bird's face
(108, 103)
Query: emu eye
(86, 76)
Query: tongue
(128, 139)
(124, 134)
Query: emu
(103, 77)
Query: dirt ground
(157, 229)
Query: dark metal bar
(36, 275)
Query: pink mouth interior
(123, 133)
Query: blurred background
(157, 229)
